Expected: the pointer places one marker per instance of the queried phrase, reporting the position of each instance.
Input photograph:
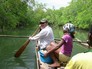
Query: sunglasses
(42, 23)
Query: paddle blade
(22, 48)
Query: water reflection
(20, 62)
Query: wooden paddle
(22, 48)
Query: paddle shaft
(19, 52)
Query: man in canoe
(45, 36)
(63, 49)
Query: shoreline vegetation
(19, 14)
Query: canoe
(42, 65)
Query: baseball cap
(43, 21)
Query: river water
(7, 51)
(9, 46)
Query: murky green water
(9, 46)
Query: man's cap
(43, 21)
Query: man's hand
(30, 37)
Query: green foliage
(12, 13)
(79, 12)
(23, 13)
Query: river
(9, 46)
(7, 51)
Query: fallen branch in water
(14, 36)
(57, 40)
(84, 43)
